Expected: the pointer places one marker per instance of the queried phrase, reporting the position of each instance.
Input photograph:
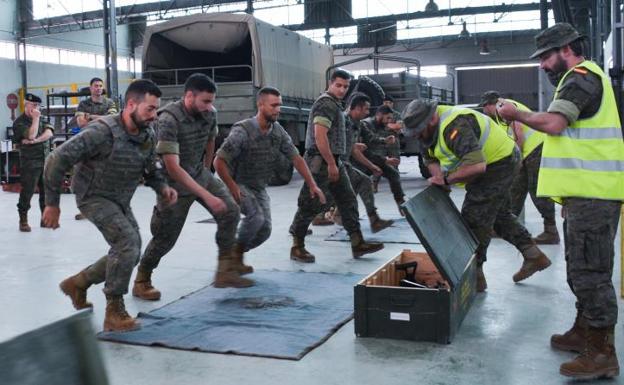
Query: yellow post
(20, 96)
(74, 88)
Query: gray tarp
(281, 58)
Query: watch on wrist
(446, 182)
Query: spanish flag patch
(580, 71)
(453, 134)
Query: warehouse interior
(454, 49)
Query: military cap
(417, 114)
(557, 36)
(489, 97)
(32, 98)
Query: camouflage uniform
(525, 182)
(105, 107)
(487, 201)
(32, 159)
(590, 225)
(186, 135)
(327, 111)
(110, 164)
(361, 183)
(377, 151)
(250, 156)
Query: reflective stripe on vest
(493, 140)
(586, 159)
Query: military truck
(241, 54)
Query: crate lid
(442, 231)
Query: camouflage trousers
(121, 231)
(487, 205)
(362, 186)
(31, 177)
(390, 173)
(525, 183)
(590, 227)
(255, 227)
(167, 223)
(341, 192)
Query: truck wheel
(369, 87)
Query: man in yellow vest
(530, 143)
(460, 145)
(583, 169)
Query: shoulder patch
(581, 71)
(453, 134)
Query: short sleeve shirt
(37, 151)
(178, 132)
(327, 111)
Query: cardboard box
(434, 313)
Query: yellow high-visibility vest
(493, 139)
(532, 138)
(586, 160)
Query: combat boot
(117, 318)
(481, 282)
(377, 224)
(228, 276)
(400, 202)
(75, 287)
(550, 236)
(143, 286)
(360, 247)
(299, 253)
(574, 339)
(23, 222)
(534, 260)
(238, 254)
(598, 358)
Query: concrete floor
(503, 340)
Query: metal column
(110, 49)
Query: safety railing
(220, 74)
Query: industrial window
(7, 50)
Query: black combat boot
(23, 222)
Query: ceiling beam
(93, 19)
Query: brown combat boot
(550, 236)
(400, 202)
(228, 276)
(574, 339)
(360, 247)
(117, 318)
(598, 358)
(143, 286)
(481, 282)
(75, 287)
(534, 260)
(23, 223)
(299, 253)
(377, 224)
(238, 254)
